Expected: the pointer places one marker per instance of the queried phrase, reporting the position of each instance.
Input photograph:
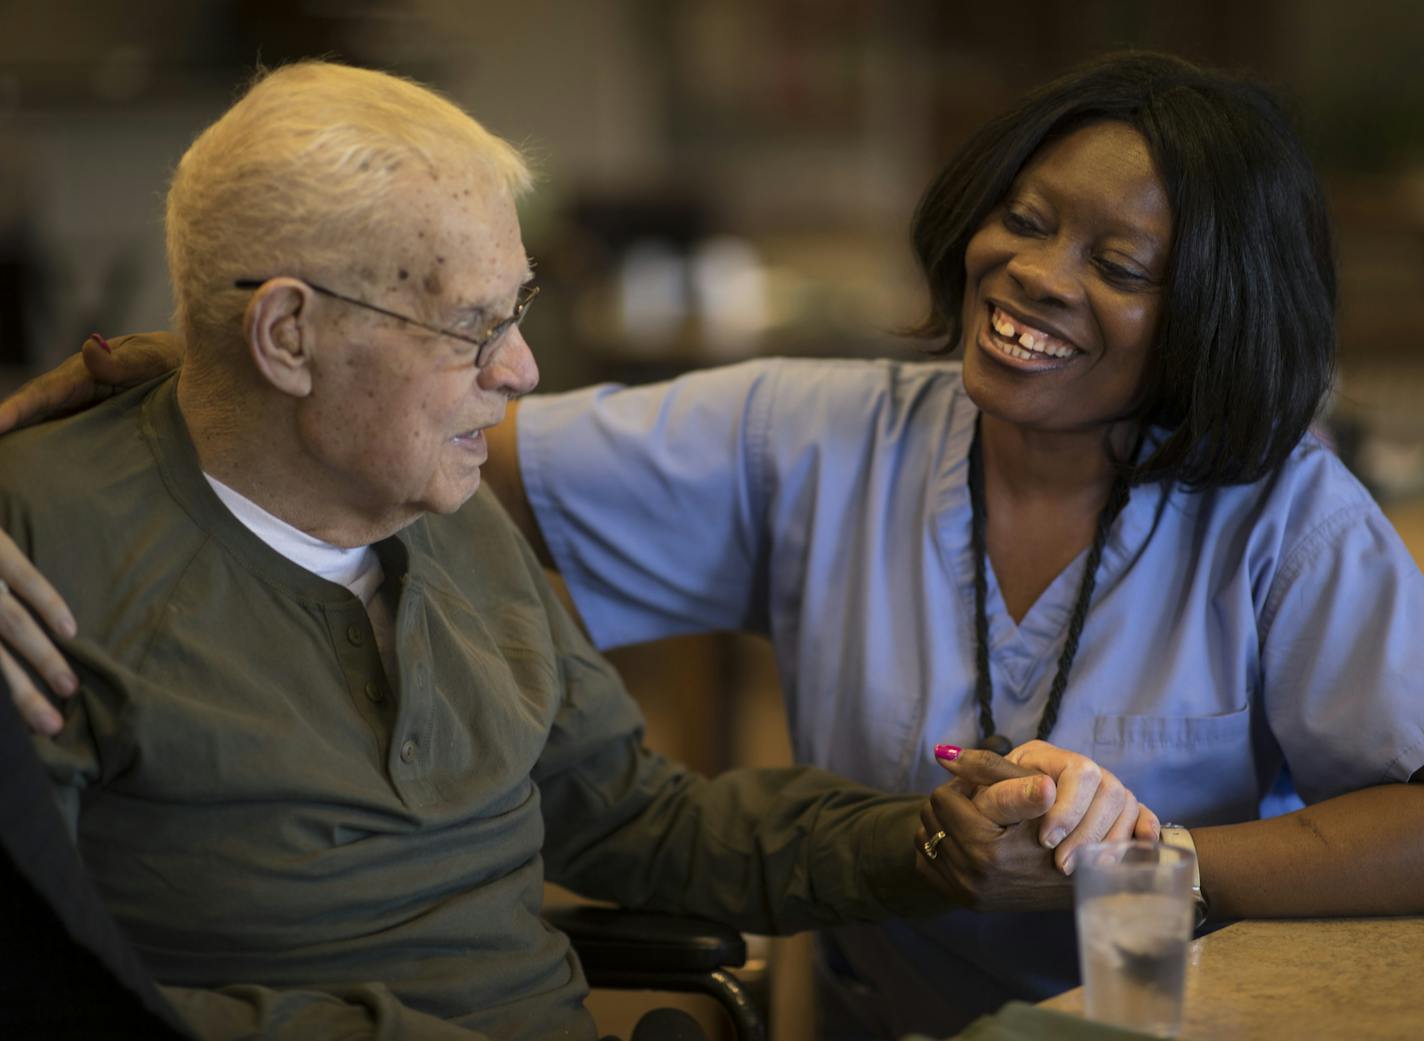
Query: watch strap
(1179, 837)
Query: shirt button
(353, 633)
(373, 691)
(407, 751)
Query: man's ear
(281, 334)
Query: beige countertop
(1352, 979)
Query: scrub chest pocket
(1193, 769)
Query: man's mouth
(1020, 340)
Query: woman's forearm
(1357, 854)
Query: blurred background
(718, 179)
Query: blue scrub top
(824, 504)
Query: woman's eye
(1018, 223)
(1121, 275)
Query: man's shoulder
(91, 460)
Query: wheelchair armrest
(610, 939)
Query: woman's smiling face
(1064, 284)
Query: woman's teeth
(1026, 342)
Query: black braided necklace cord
(990, 737)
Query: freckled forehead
(1104, 171)
(463, 239)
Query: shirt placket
(410, 754)
(359, 659)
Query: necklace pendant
(998, 744)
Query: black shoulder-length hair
(1246, 343)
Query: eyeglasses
(483, 343)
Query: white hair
(302, 171)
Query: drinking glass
(1133, 902)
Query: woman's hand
(96, 372)
(995, 813)
(21, 585)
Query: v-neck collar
(1039, 634)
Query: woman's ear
(281, 334)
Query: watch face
(1176, 835)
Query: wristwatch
(1181, 838)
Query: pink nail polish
(99, 339)
(947, 752)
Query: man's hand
(21, 584)
(1092, 805)
(90, 376)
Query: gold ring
(930, 847)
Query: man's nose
(511, 368)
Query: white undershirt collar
(358, 569)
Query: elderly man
(333, 731)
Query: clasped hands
(1012, 825)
